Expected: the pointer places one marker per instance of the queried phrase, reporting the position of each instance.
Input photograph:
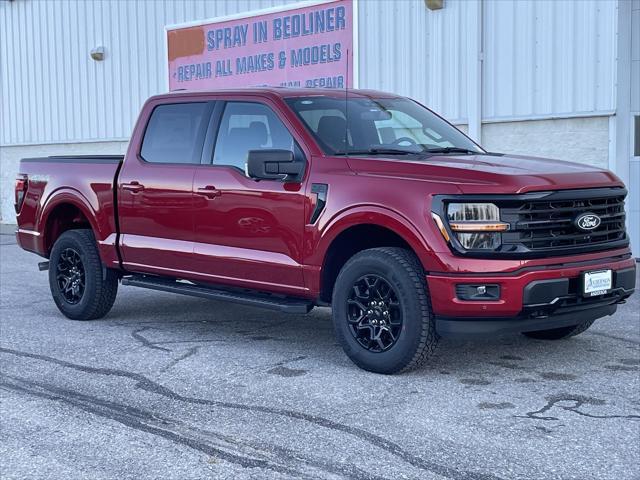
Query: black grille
(549, 223)
(543, 224)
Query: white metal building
(559, 79)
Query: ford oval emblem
(587, 221)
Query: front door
(248, 233)
(155, 191)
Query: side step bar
(243, 297)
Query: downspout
(476, 54)
(620, 135)
(622, 131)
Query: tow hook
(42, 266)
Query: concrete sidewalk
(8, 228)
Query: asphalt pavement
(172, 387)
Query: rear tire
(382, 293)
(559, 333)
(81, 288)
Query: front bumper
(530, 299)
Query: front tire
(560, 333)
(81, 289)
(382, 311)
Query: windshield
(378, 126)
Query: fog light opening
(478, 292)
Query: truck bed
(89, 178)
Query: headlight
(476, 225)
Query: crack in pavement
(389, 446)
(244, 371)
(291, 360)
(114, 322)
(245, 454)
(193, 340)
(577, 402)
(189, 353)
(146, 342)
(615, 337)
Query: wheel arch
(65, 210)
(362, 228)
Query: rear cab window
(175, 133)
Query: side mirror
(273, 164)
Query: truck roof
(282, 92)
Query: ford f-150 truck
(367, 202)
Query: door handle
(133, 186)
(209, 191)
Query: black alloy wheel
(374, 313)
(70, 275)
(381, 311)
(81, 286)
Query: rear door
(247, 232)
(155, 189)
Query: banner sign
(309, 46)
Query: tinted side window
(175, 133)
(248, 126)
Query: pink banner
(299, 47)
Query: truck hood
(488, 173)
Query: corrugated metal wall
(53, 92)
(635, 58)
(548, 58)
(56, 93)
(408, 49)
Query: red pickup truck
(369, 203)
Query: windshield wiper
(379, 151)
(451, 150)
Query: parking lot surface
(182, 388)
